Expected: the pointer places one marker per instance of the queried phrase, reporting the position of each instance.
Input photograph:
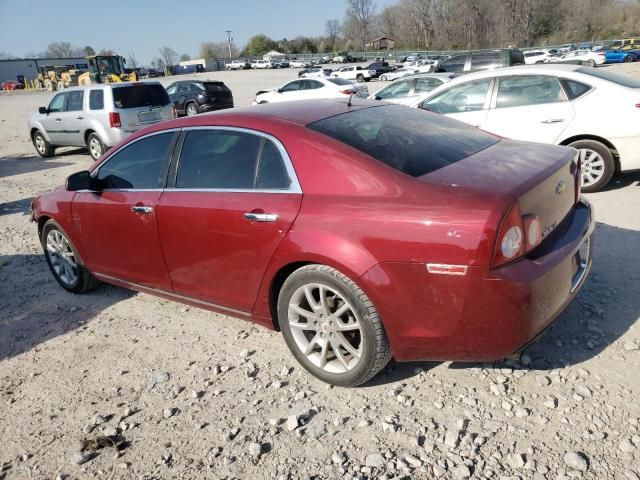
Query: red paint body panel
(118, 242)
(212, 252)
(371, 222)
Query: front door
(73, 119)
(467, 102)
(233, 200)
(52, 121)
(530, 108)
(117, 222)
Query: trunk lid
(541, 178)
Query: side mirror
(43, 110)
(79, 181)
(377, 98)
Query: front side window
(291, 86)
(533, 90)
(74, 100)
(96, 100)
(57, 103)
(230, 160)
(138, 165)
(425, 85)
(469, 97)
(454, 64)
(396, 89)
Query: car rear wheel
(192, 109)
(384, 78)
(44, 148)
(628, 59)
(597, 164)
(331, 326)
(63, 260)
(360, 78)
(591, 63)
(95, 146)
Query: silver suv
(98, 116)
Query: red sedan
(11, 85)
(361, 232)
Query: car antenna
(350, 97)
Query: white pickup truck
(238, 65)
(359, 74)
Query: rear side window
(138, 165)
(74, 100)
(409, 140)
(485, 60)
(96, 100)
(396, 89)
(214, 86)
(218, 159)
(574, 89)
(142, 95)
(271, 171)
(517, 57)
(522, 91)
(339, 81)
(310, 85)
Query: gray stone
(413, 461)
(451, 439)
(169, 412)
(292, 422)
(631, 346)
(521, 412)
(374, 460)
(155, 378)
(461, 472)
(79, 458)
(626, 446)
(109, 431)
(631, 475)
(543, 380)
(339, 458)
(516, 460)
(576, 460)
(255, 449)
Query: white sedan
(404, 91)
(399, 73)
(537, 56)
(261, 64)
(593, 110)
(587, 57)
(297, 63)
(310, 88)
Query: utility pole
(229, 40)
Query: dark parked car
(482, 60)
(192, 97)
(266, 214)
(378, 68)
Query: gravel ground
(117, 384)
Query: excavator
(106, 69)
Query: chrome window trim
(294, 186)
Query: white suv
(261, 64)
(98, 116)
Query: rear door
(232, 199)
(467, 102)
(117, 222)
(314, 89)
(530, 108)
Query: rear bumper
(212, 107)
(486, 314)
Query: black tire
(591, 63)
(191, 109)
(43, 147)
(95, 146)
(607, 156)
(360, 78)
(628, 59)
(263, 102)
(84, 280)
(376, 351)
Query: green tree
(259, 45)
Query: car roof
(108, 85)
(551, 69)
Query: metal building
(28, 67)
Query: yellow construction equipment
(57, 77)
(106, 69)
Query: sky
(143, 26)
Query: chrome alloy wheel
(95, 148)
(592, 165)
(39, 140)
(62, 258)
(326, 328)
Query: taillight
(349, 91)
(533, 231)
(637, 105)
(114, 120)
(510, 240)
(578, 179)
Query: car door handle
(260, 217)
(553, 120)
(58, 119)
(80, 117)
(142, 209)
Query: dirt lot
(230, 401)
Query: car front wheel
(596, 162)
(331, 326)
(43, 147)
(63, 260)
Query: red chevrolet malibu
(360, 231)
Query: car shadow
(604, 310)
(36, 309)
(622, 180)
(17, 206)
(21, 164)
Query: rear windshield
(339, 81)
(623, 80)
(412, 141)
(133, 96)
(214, 86)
